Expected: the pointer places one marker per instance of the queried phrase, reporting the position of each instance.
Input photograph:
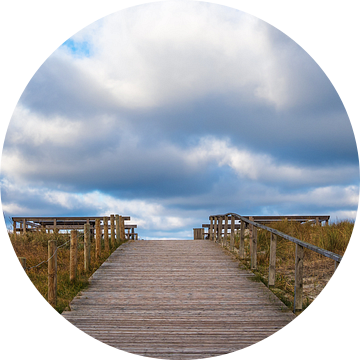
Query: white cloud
(262, 167)
(167, 53)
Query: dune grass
(34, 247)
(318, 269)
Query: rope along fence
(106, 242)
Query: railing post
(112, 229)
(219, 229)
(211, 231)
(24, 226)
(272, 260)
(232, 232)
(299, 262)
(14, 229)
(73, 255)
(52, 272)
(253, 264)
(117, 224)
(215, 228)
(226, 218)
(106, 234)
(242, 240)
(122, 228)
(87, 246)
(97, 239)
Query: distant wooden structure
(268, 219)
(23, 224)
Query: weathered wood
(242, 240)
(73, 255)
(87, 247)
(97, 239)
(112, 230)
(219, 229)
(106, 234)
(198, 234)
(117, 224)
(187, 300)
(14, 229)
(225, 232)
(216, 228)
(299, 263)
(272, 260)
(52, 273)
(24, 226)
(122, 228)
(314, 248)
(253, 249)
(55, 229)
(232, 232)
(211, 229)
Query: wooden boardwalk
(177, 299)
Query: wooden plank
(187, 300)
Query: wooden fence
(93, 227)
(215, 234)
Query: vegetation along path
(177, 299)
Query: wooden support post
(52, 273)
(225, 231)
(24, 226)
(117, 221)
(242, 240)
(87, 246)
(55, 231)
(299, 263)
(97, 239)
(106, 234)
(23, 262)
(112, 229)
(73, 255)
(253, 248)
(272, 260)
(211, 229)
(219, 229)
(122, 228)
(14, 229)
(132, 234)
(317, 221)
(215, 228)
(232, 232)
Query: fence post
(232, 234)
(242, 240)
(24, 226)
(87, 246)
(272, 260)
(14, 229)
(211, 231)
(117, 224)
(52, 272)
(254, 248)
(225, 231)
(215, 228)
(112, 229)
(299, 262)
(106, 234)
(122, 228)
(219, 229)
(23, 262)
(73, 255)
(97, 239)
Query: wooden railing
(215, 234)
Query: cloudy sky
(170, 112)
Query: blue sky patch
(78, 49)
